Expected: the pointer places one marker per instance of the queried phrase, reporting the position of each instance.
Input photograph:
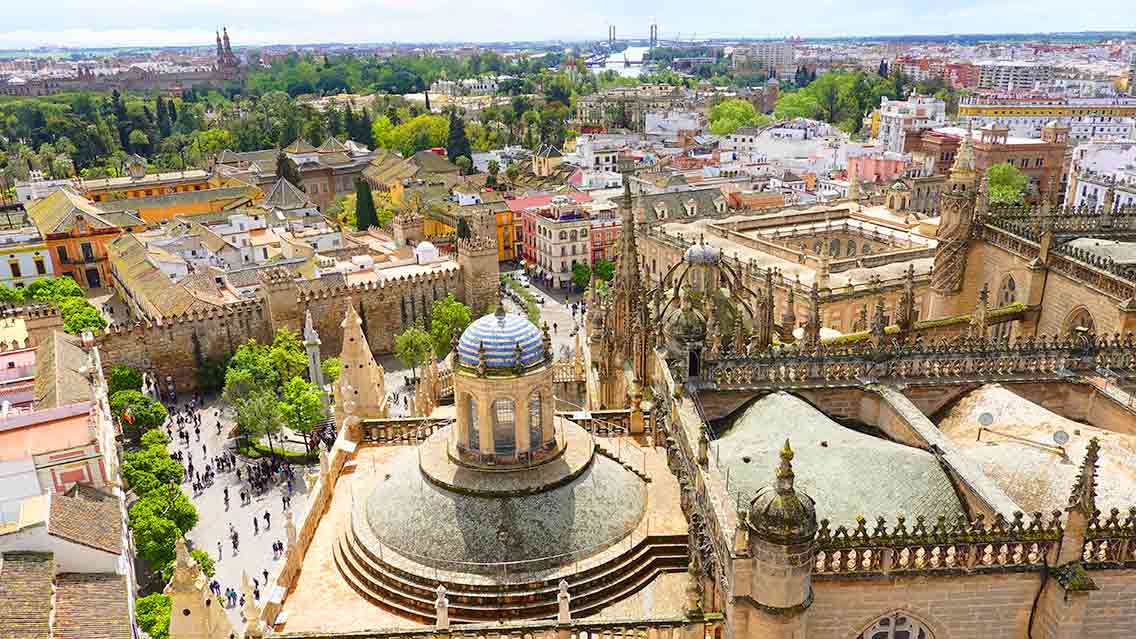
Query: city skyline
(259, 22)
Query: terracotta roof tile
(91, 606)
(25, 594)
(97, 524)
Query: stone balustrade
(935, 360)
(709, 625)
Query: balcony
(81, 259)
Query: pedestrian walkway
(255, 555)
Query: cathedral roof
(501, 334)
(847, 472)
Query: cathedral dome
(501, 334)
(701, 254)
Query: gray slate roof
(847, 472)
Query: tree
(168, 501)
(154, 538)
(365, 214)
(52, 289)
(258, 413)
(493, 169)
(512, 172)
(448, 319)
(581, 275)
(730, 115)
(204, 561)
(331, 368)
(79, 315)
(797, 104)
(1006, 185)
(136, 412)
(302, 408)
(464, 163)
(287, 169)
(123, 378)
(457, 144)
(153, 614)
(412, 346)
(605, 270)
(163, 116)
(286, 355)
(883, 70)
(147, 469)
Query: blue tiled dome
(501, 333)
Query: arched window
(504, 422)
(898, 625)
(834, 248)
(867, 248)
(474, 439)
(1007, 294)
(816, 248)
(535, 420)
(851, 248)
(1080, 320)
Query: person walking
(267, 520)
(219, 553)
(255, 525)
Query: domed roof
(701, 253)
(773, 82)
(501, 333)
(783, 513)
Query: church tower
(361, 389)
(956, 210)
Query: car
(539, 299)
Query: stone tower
(477, 257)
(775, 582)
(361, 390)
(281, 295)
(194, 613)
(956, 208)
(409, 228)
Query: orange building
(140, 185)
(217, 194)
(77, 233)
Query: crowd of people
(250, 479)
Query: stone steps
(611, 454)
(592, 590)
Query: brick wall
(987, 606)
(1111, 612)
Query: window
(536, 425)
(15, 266)
(62, 252)
(473, 441)
(504, 422)
(1080, 320)
(41, 268)
(897, 625)
(88, 251)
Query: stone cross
(564, 613)
(441, 607)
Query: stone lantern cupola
(782, 525)
(503, 392)
(782, 513)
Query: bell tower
(956, 210)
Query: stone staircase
(412, 595)
(612, 453)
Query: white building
(598, 152)
(482, 85)
(665, 126)
(562, 241)
(1094, 165)
(1008, 77)
(28, 258)
(897, 117)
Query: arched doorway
(473, 439)
(897, 625)
(504, 423)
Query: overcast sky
(258, 22)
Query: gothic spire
(1083, 499)
(785, 474)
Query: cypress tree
(457, 144)
(172, 110)
(163, 117)
(365, 214)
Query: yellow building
(1053, 109)
(218, 194)
(146, 185)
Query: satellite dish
(985, 419)
(1061, 437)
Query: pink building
(878, 167)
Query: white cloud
(258, 22)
